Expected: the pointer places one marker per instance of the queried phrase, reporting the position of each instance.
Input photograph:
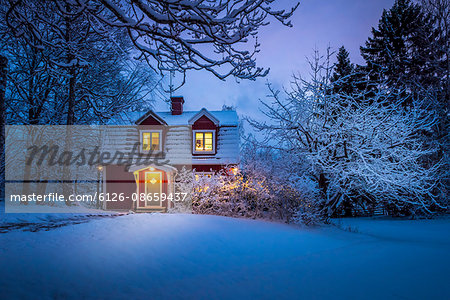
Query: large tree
(366, 153)
(439, 10)
(348, 78)
(174, 35)
(399, 52)
(343, 73)
(3, 72)
(63, 71)
(80, 41)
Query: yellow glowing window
(204, 141)
(151, 141)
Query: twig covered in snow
(171, 35)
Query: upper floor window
(204, 141)
(150, 140)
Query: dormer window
(204, 141)
(151, 140)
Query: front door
(153, 188)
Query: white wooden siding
(178, 144)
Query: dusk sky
(316, 24)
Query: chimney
(176, 105)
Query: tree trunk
(71, 96)
(3, 72)
(32, 120)
(67, 178)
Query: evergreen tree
(348, 78)
(343, 73)
(399, 52)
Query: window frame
(141, 137)
(194, 132)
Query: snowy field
(156, 256)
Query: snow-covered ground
(46, 221)
(155, 256)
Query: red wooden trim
(150, 120)
(119, 181)
(204, 123)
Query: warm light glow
(150, 141)
(99, 168)
(234, 170)
(199, 175)
(202, 190)
(204, 141)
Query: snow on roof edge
(225, 117)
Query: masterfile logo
(60, 168)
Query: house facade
(162, 143)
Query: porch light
(234, 170)
(99, 168)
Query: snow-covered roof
(201, 113)
(225, 117)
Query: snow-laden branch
(171, 35)
(360, 148)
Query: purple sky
(283, 49)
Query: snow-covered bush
(184, 183)
(294, 193)
(216, 195)
(251, 192)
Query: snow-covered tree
(63, 71)
(170, 35)
(367, 153)
(184, 183)
(3, 72)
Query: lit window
(151, 140)
(204, 141)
